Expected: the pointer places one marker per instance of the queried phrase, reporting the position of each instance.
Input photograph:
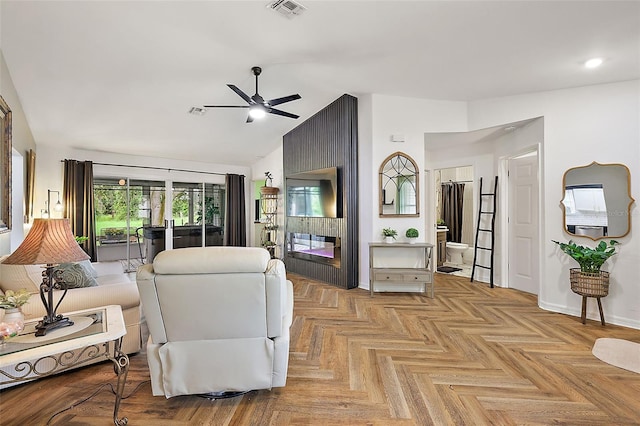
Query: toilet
(467, 256)
(454, 252)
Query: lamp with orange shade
(50, 242)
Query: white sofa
(114, 288)
(218, 320)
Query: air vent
(287, 8)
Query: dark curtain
(452, 199)
(235, 230)
(78, 202)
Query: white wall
(367, 188)
(22, 140)
(581, 125)
(412, 118)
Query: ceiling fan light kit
(258, 107)
(257, 111)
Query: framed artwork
(31, 179)
(5, 167)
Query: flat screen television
(316, 193)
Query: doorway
(454, 205)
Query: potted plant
(12, 302)
(412, 234)
(589, 279)
(81, 239)
(389, 234)
(441, 224)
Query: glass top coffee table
(96, 333)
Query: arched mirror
(398, 183)
(597, 201)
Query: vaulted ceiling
(121, 76)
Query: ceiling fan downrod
(256, 72)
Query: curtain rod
(458, 181)
(159, 168)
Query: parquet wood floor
(471, 356)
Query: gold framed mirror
(597, 201)
(5, 162)
(398, 186)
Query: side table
(27, 357)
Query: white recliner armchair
(218, 320)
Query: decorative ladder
(483, 213)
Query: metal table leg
(121, 367)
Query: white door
(523, 223)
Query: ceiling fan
(258, 107)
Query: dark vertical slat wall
(328, 139)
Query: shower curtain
(452, 203)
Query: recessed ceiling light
(593, 63)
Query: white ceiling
(120, 76)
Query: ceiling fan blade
(225, 106)
(240, 93)
(249, 119)
(282, 113)
(278, 101)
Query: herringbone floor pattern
(471, 356)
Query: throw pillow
(74, 275)
(90, 270)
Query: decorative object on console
(389, 234)
(49, 242)
(13, 320)
(412, 234)
(589, 280)
(10, 329)
(14, 299)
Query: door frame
(504, 186)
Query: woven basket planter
(269, 190)
(591, 284)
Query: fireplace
(316, 248)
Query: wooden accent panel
(328, 139)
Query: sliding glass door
(136, 219)
(197, 210)
(125, 209)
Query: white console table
(399, 273)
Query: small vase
(388, 240)
(412, 240)
(14, 315)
